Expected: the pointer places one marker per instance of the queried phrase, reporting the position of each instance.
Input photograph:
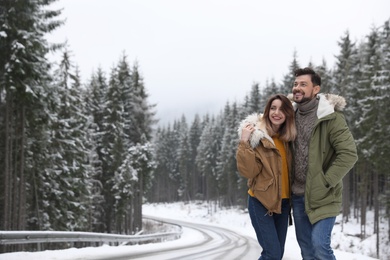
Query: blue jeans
(271, 230)
(314, 240)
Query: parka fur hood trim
(328, 104)
(260, 131)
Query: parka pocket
(320, 193)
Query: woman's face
(276, 115)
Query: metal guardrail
(28, 237)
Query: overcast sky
(196, 55)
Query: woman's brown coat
(260, 162)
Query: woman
(264, 157)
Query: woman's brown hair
(287, 131)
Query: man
(324, 152)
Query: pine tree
(138, 122)
(385, 81)
(243, 108)
(344, 84)
(288, 79)
(114, 145)
(269, 90)
(382, 87)
(326, 76)
(344, 75)
(24, 86)
(142, 112)
(255, 99)
(95, 99)
(142, 160)
(183, 159)
(194, 140)
(164, 187)
(68, 195)
(368, 90)
(206, 159)
(226, 170)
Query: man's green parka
(332, 154)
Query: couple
(296, 155)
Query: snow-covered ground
(346, 244)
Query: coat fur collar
(259, 133)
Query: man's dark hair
(315, 78)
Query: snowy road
(211, 243)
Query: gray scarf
(305, 117)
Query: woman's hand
(246, 132)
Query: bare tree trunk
(355, 182)
(14, 178)
(347, 197)
(127, 220)
(194, 180)
(131, 219)
(7, 172)
(363, 190)
(376, 209)
(141, 195)
(370, 189)
(109, 215)
(387, 204)
(204, 188)
(137, 205)
(22, 184)
(36, 201)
